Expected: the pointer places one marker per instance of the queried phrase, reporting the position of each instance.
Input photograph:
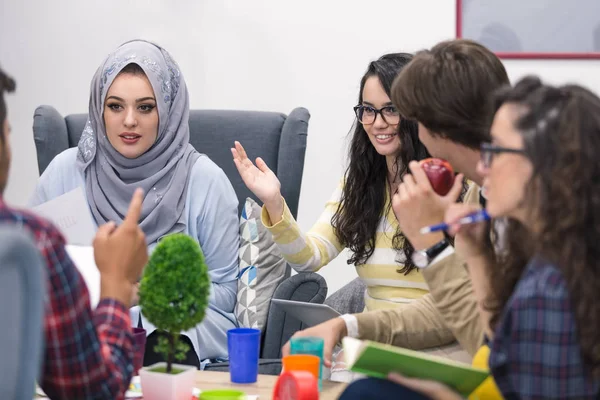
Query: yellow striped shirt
(305, 252)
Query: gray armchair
(349, 299)
(279, 139)
(22, 289)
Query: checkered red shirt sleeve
(88, 354)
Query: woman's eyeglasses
(367, 115)
(488, 150)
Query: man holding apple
(445, 89)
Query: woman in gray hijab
(137, 135)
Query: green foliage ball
(175, 286)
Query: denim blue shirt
(211, 210)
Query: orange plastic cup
(302, 362)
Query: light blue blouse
(211, 210)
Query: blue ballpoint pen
(478, 216)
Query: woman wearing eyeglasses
(540, 301)
(359, 215)
(538, 295)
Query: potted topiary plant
(173, 295)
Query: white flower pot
(162, 386)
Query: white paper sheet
(83, 257)
(71, 214)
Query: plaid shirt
(88, 354)
(535, 352)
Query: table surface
(263, 388)
(206, 380)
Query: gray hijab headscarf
(163, 171)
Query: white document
(83, 257)
(71, 215)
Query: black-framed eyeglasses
(367, 114)
(488, 150)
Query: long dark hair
(363, 197)
(560, 127)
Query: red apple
(440, 174)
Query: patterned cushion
(262, 269)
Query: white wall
(235, 54)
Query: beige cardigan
(448, 311)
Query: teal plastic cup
(309, 345)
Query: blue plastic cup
(309, 345)
(243, 345)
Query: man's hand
(416, 205)
(121, 253)
(331, 331)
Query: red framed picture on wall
(530, 29)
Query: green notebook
(378, 360)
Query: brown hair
(7, 84)
(447, 89)
(560, 127)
